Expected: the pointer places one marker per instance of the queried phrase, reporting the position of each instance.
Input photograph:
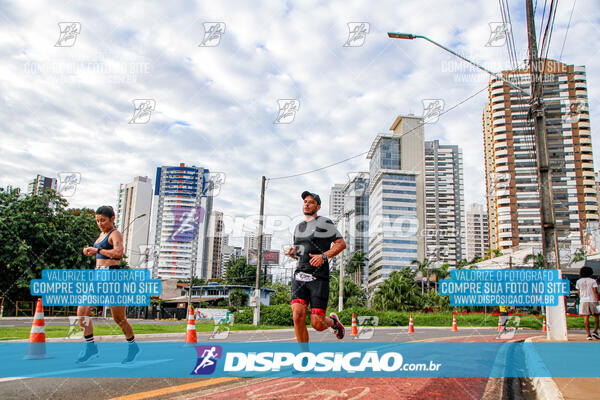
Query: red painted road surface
(365, 388)
(359, 388)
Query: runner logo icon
(207, 359)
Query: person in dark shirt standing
(313, 239)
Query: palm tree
(441, 273)
(398, 292)
(538, 260)
(423, 268)
(356, 262)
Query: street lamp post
(558, 321)
(410, 36)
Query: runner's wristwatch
(324, 256)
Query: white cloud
(67, 109)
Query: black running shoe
(132, 352)
(89, 353)
(595, 335)
(338, 328)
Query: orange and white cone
(454, 325)
(190, 333)
(544, 328)
(411, 325)
(354, 330)
(500, 327)
(37, 337)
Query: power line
(542, 23)
(365, 152)
(567, 32)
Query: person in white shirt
(587, 289)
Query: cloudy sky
(66, 103)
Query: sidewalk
(566, 388)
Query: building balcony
(497, 106)
(497, 83)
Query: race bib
(304, 277)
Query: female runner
(108, 250)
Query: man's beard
(310, 213)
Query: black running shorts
(314, 293)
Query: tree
(440, 273)
(398, 292)
(240, 273)
(38, 232)
(238, 298)
(195, 281)
(356, 263)
(538, 260)
(579, 255)
(491, 253)
(282, 295)
(475, 260)
(423, 267)
(354, 296)
(434, 301)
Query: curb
(545, 387)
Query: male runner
(310, 284)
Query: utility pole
(341, 288)
(256, 319)
(556, 315)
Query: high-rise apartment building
(396, 199)
(444, 203)
(181, 209)
(251, 246)
(228, 252)
(477, 239)
(40, 184)
(411, 131)
(354, 223)
(133, 219)
(336, 201)
(215, 244)
(511, 167)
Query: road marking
(175, 389)
(16, 378)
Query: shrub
(238, 298)
(278, 315)
(244, 316)
(393, 318)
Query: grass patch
(398, 319)
(22, 332)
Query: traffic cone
(354, 330)
(190, 333)
(454, 326)
(411, 325)
(500, 324)
(544, 328)
(37, 338)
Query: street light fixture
(410, 36)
